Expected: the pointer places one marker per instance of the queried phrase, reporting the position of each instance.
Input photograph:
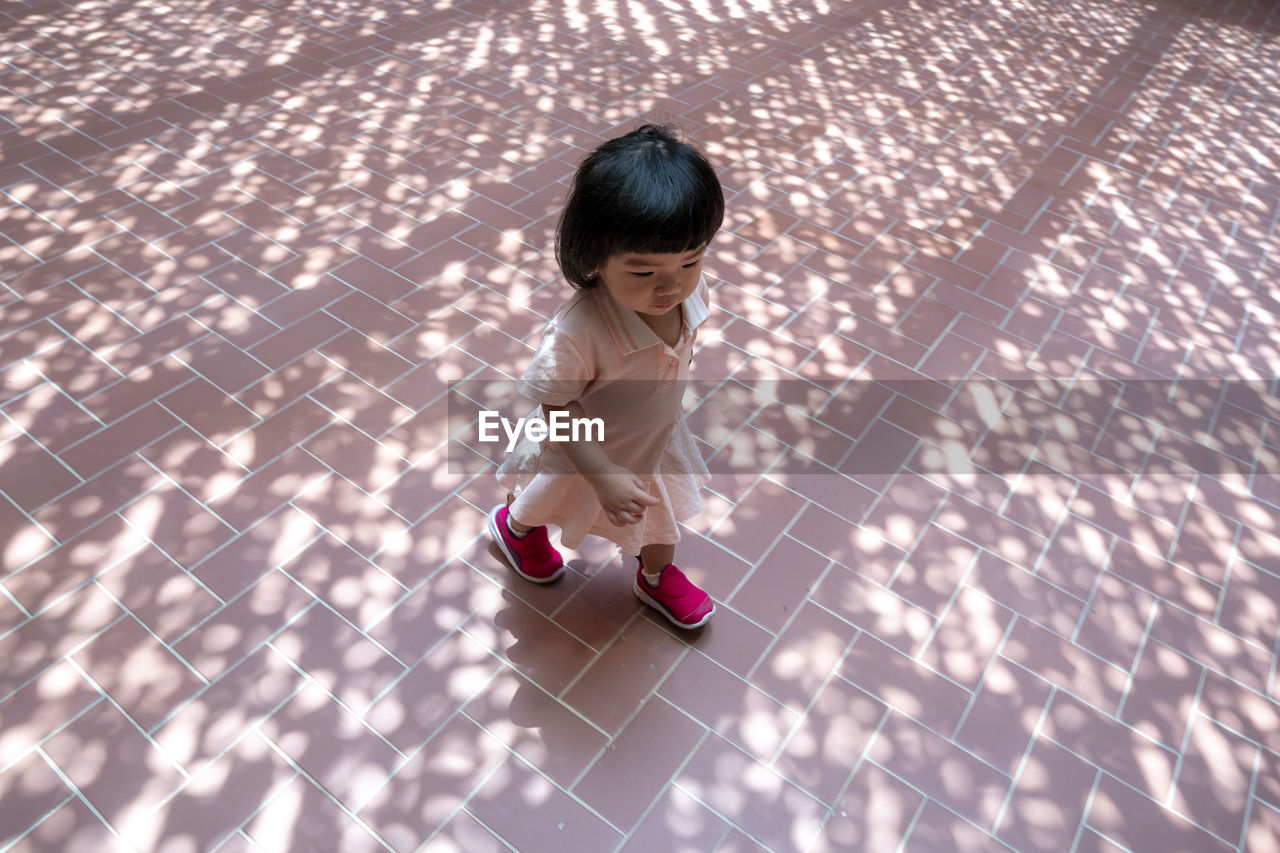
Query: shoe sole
(512, 559)
(658, 606)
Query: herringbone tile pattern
(996, 517)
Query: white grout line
(1023, 760)
(1088, 807)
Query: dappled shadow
(1009, 300)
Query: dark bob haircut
(648, 192)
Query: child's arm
(620, 492)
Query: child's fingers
(622, 518)
(642, 496)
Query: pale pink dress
(605, 357)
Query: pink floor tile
(1052, 781)
(520, 805)
(640, 763)
(946, 773)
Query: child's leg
(514, 526)
(655, 558)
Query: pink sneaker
(531, 555)
(675, 597)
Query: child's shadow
(598, 658)
(524, 632)
(524, 705)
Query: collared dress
(602, 355)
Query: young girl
(641, 213)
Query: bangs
(645, 193)
(660, 207)
(665, 223)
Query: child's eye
(642, 274)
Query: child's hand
(622, 494)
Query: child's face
(652, 284)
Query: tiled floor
(988, 577)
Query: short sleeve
(558, 373)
